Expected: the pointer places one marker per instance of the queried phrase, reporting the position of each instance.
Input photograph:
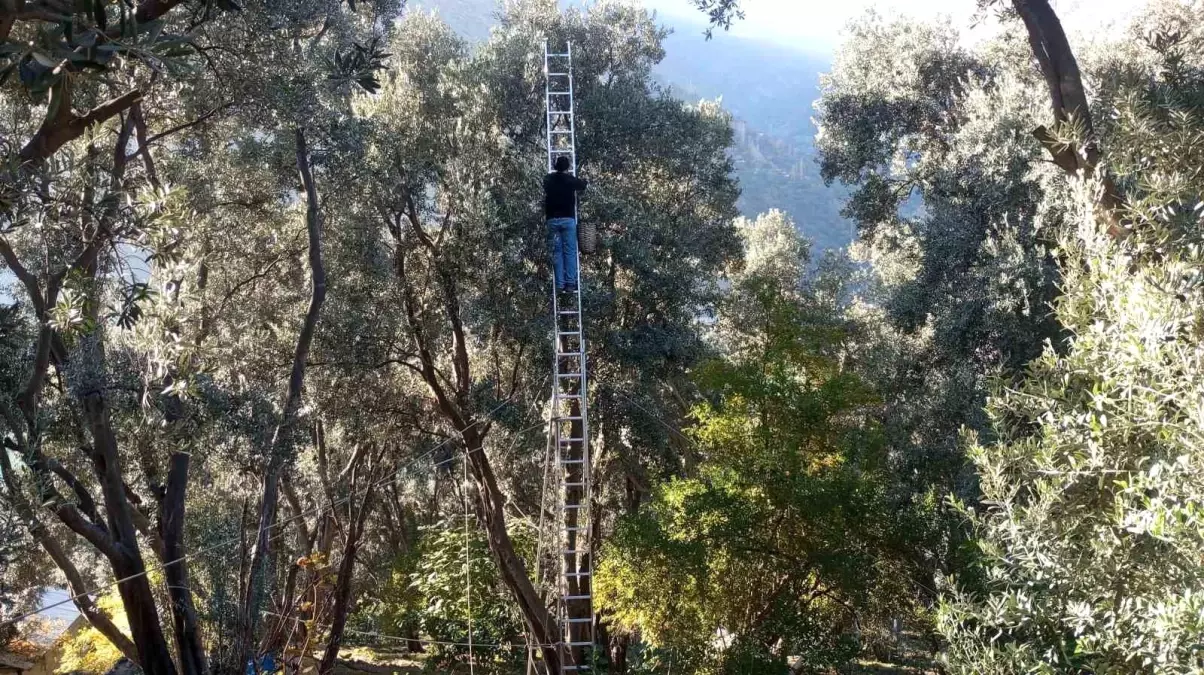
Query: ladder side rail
(583, 516)
(547, 99)
(574, 585)
(557, 543)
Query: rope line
(657, 418)
(279, 524)
(446, 643)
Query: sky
(816, 25)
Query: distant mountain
(770, 90)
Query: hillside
(770, 90)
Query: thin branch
(143, 150)
(84, 498)
(253, 278)
(180, 127)
(32, 287)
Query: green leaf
(43, 58)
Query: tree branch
(143, 149)
(84, 498)
(32, 287)
(1068, 100)
(59, 130)
(180, 127)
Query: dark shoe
(570, 288)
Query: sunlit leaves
(360, 64)
(1091, 534)
(782, 530)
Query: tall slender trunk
(183, 612)
(124, 554)
(342, 587)
(282, 440)
(491, 514)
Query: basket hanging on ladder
(587, 237)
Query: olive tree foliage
(1090, 536)
(446, 264)
(782, 541)
(952, 202)
(148, 150)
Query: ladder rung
(574, 484)
(562, 132)
(568, 395)
(572, 461)
(578, 574)
(564, 54)
(589, 620)
(561, 152)
(575, 552)
(568, 417)
(561, 112)
(579, 644)
(567, 375)
(574, 529)
(558, 74)
(567, 441)
(566, 507)
(578, 597)
(561, 93)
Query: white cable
(280, 524)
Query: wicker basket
(587, 237)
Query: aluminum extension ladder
(570, 421)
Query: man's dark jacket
(559, 188)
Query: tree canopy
(275, 331)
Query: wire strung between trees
(657, 418)
(445, 643)
(398, 475)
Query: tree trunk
(492, 516)
(282, 440)
(75, 580)
(490, 500)
(618, 654)
(183, 612)
(1068, 100)
(126, 558)
(342, 587)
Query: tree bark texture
(490, 500)
(1068, 99)
(171, 524)
(342, 587)
(282, 440)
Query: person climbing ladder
(560, 190)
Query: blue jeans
(562, 239)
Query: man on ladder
(560, 190)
